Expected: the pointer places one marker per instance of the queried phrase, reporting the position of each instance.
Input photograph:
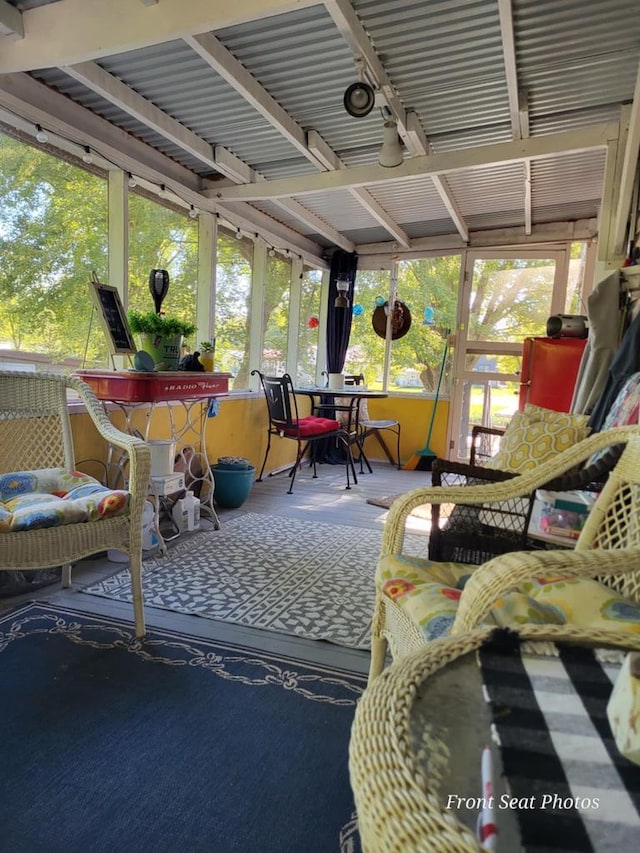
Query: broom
(422, 460)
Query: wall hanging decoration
(400, 320)
(313, 322)
(429, 318)
(358, 310)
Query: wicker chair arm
(137, 449)
(520, 486)
(504, 573)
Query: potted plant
(207, 354)
(160, 336)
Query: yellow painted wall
(240, 429)
(414, 414)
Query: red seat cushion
(312, 426)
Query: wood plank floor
(323, 500)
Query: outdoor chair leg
(264, 461)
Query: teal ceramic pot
(232, 484)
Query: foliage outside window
(576, 301)
(53, 234)
(309, 328)
(277, 294)
(160, 238)
(366, 350)
(429, 288)
(233, 308)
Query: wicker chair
(35, 433)
(398, 773)
(467, 534)
(608, 547)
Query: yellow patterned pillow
(536, 435)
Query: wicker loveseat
(418, 600)
(50, 514)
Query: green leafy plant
(148, 322)
(206, 346)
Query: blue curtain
(343, 265)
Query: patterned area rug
(296, 577)
(176, 743)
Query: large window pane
(366, 350)
(233, 307)
(160, 238)
(277, 294)
(429, 288)
(309, 326)
(510, 298)
(53, 233)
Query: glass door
(506, 297)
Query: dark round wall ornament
(400, 320)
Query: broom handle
(435, 399)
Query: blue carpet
(176, 744)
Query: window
(309, 328)
(233, 306)
(53, 233)
(429, 288)
(277, 294)
(161, 238)
(366, 350)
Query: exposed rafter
(91, 75)
(11, 22)
(518, 109)
(79, 30)
(236, 75)
(24, 96)
(409, 127)
(551, 145)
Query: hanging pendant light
(342, 286)
(391, 153)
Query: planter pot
(165, 352)
(232, 484)
(206, 360)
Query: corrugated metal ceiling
(576, 64)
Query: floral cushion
(50, 497)
(429, 592)
(535, 435)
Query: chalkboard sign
(114, 320)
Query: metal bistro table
(332, 397)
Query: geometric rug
(173, 744)
(293, 576)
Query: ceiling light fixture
(342, 286)
(193, 213)
(131, 181)
(87, 157)
(391, 153)
(272, 252)
(238, 233)
(359, 99)
(41, 135)
(164, 192)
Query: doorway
(505, 297)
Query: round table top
(346, 391)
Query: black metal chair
(285, 422)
